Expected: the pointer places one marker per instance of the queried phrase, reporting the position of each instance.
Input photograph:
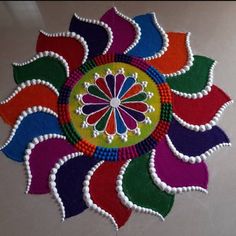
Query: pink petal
(128, 120)
(88, 98)
(42, 158)
(173, 175)
(124, 31)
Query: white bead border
(46, 54)
(206, 126)
(29, 150)
(70, 35)
(189, 62)
(52, 180)
(164, 36)
(87, 197)
(194, 159)
(29, 83)
(204, 91)
(165, 187)
(25, 113)
(136, 27)
(102, 24)
(125, 200)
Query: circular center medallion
(115, 102)
(115, 106)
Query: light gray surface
(212, 25)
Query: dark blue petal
(95, 35)
(193, 143)
(69, 183)
(139, 116)
(88, 109)
(110, 79)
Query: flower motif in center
(115, 105)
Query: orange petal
(111, 125)
(134, 90)
(178, 57)
(27, 96)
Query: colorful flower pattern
(171, 159)
(115, 104)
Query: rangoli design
(114, 115)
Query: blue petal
(69, 183)
(151, 41)
(32, 126)
(121, 128)
(95, 35)
(126, 86)
(193, 143)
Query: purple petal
(119, 81)
(135, 114)
(88, 98)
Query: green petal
(140, 189)
(194, 80)
(94, 90)
(45, 68)
(100, 126)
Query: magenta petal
(42, 159)
(124, 31)
(88, 98)
(128, 120)
(120, 78)
(174, 175)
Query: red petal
(138, 106)
(202, 110)
(176, 57)
(33, 95)
(72, 49)
(103, 191)
(100, 82)
(93, 118)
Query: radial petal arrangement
(99, 115)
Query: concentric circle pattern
(95, 98)
(115, 104)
